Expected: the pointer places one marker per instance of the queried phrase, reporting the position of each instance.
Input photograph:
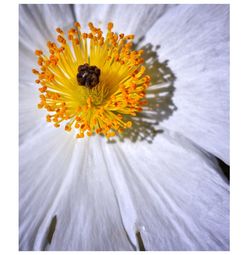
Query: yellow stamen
(117, 90)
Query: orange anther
(40, 61)
(76, 41)
(43, 89)
(80, 135)
(91, 26)
(48, 118)
(49, 44)
(67, 128)
(111, 134)
(85, 35)
(129, 124)
(77, 125)
(61, 40)
(110, 26)
(72, 31)
(38, 52)
(59, 30)
(34, 71)
(77, 24)
(89, 133)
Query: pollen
(89, 82)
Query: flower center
(88, 75)
(91, 82)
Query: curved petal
(40, 160)
(31, 119)
(104, 194)
(172, 192)
(127, 18)
(67, 180)
(195, 40)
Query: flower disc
(90, 82)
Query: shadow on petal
(159, 96)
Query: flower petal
(69, 182)
(195, 40)
(38, 22)
(40, 159)
(172, 192)
(31, 119)
(127, 18)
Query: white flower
(87, 194)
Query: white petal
(127, 18)
(195, 40)
(71, 182)
(46, 156)
(31, 119)
(170, 191)
(103, 194)
(37, 23)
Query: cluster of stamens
(89, 82)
